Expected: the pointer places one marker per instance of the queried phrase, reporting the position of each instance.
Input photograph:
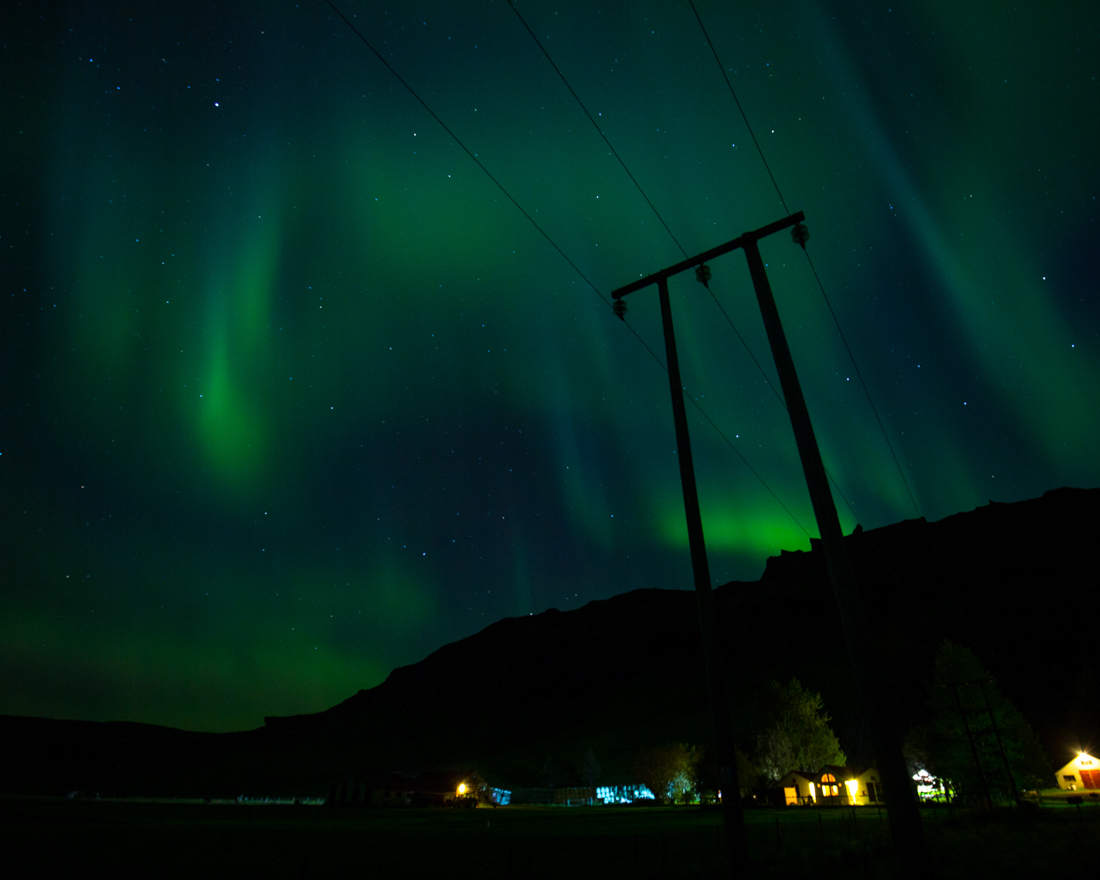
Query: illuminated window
(1069, 777)
(828, 777)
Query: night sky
(293, 394)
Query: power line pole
(983, 786)
(965, 713)
(1000, 745)
(733, 819)
(901, 805)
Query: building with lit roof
(832, 786)
(1083, 772)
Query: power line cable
(596, 126)
(668, 229)
(809, 259)
(866, 391)
(741, 109)
(553, 244)
(467, 151)
(744, 461)
(722, 434)
(638, 186)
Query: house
(435, 788)
(832, 786)
(864, 786)
(448, 788)
(932, 788)
(1080, 773)
(799, 787)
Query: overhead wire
(648, 201)
(596, 126)
(553, 244)
(809, 259)
(642, 192)
(467, 151)
(926, 537)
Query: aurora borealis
(292, 394)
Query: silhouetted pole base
(732, 817)
(901, 804)
(902, 810)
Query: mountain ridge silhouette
(623, 673)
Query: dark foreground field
(50, 837)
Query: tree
(551, 772)
(708, 778)
(974, 736)
(799, 736)
(590, 769)
(669, 771)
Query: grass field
(51, 837)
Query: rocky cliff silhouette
(620, 674)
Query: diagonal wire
(638, 186)
(863, 384)
(744, 461)
(722, 434)
(633, 179)
(809, 259)
(752, 134)
(553, 244)
(596, 126)
(467, 151)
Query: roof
(836, 770)
(1089, 763)
(803, 774)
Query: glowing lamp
(462, 788)
(853, 788)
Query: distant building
(1080, 773)
(434, 788)
(832, 786)
(449, 788)
(582, 797)
(931, 788)
(799, 788)
(623, 794)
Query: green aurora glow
(294, 395)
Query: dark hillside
(624, 673)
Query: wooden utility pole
(715, 668)
(901, 805)
(965, 714)
(984, 793)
